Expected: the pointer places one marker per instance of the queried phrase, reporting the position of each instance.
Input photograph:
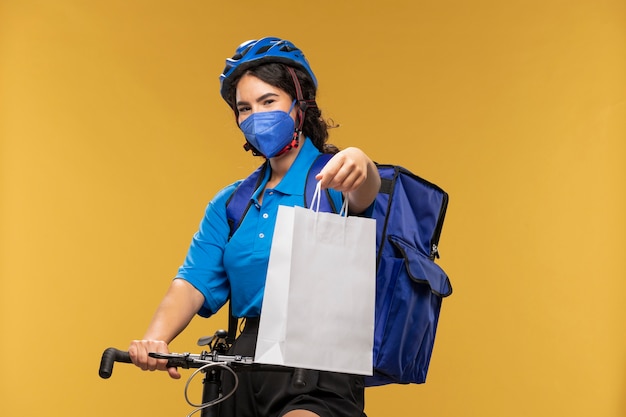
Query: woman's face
(256, 96)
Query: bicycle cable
(220, 398)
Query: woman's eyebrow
(266, 96)
(259, 99)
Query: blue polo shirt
(215, 266)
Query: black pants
(273, 394)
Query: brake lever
(181, 360)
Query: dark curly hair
(277, 75)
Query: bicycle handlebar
(109, 357)
(185, 360)
(188, 360)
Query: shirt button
(271, 192)
(261, 235)
(265, 215)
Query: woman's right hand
(139, 350)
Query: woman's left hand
(352, 171)
(346, 171)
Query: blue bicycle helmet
(256, 52)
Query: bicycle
(211, 363)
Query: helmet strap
(248, 147)
(303, 104)
(295, 142)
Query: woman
(270, 87)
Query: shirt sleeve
(204, 264)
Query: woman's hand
(351, 171)
(345, 172)
(139, 350)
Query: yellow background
(114, 137)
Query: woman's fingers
(139, 353)
(345, 172)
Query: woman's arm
(181, 302)
(352, 171)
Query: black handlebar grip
(109, 357)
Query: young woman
(271, 88)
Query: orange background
(114, 137)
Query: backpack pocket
(422, 269)
(410, 288)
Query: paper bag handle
(317, 196)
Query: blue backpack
(410, 286)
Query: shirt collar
(293, 181)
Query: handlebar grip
(109, 357)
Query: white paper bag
(318, 307)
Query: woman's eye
(269, 101)
(243, 109)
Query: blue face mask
(269, 132)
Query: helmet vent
(263, 49)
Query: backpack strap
(237, 206)
(233, 324)
(240, 200)
(326, 202)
